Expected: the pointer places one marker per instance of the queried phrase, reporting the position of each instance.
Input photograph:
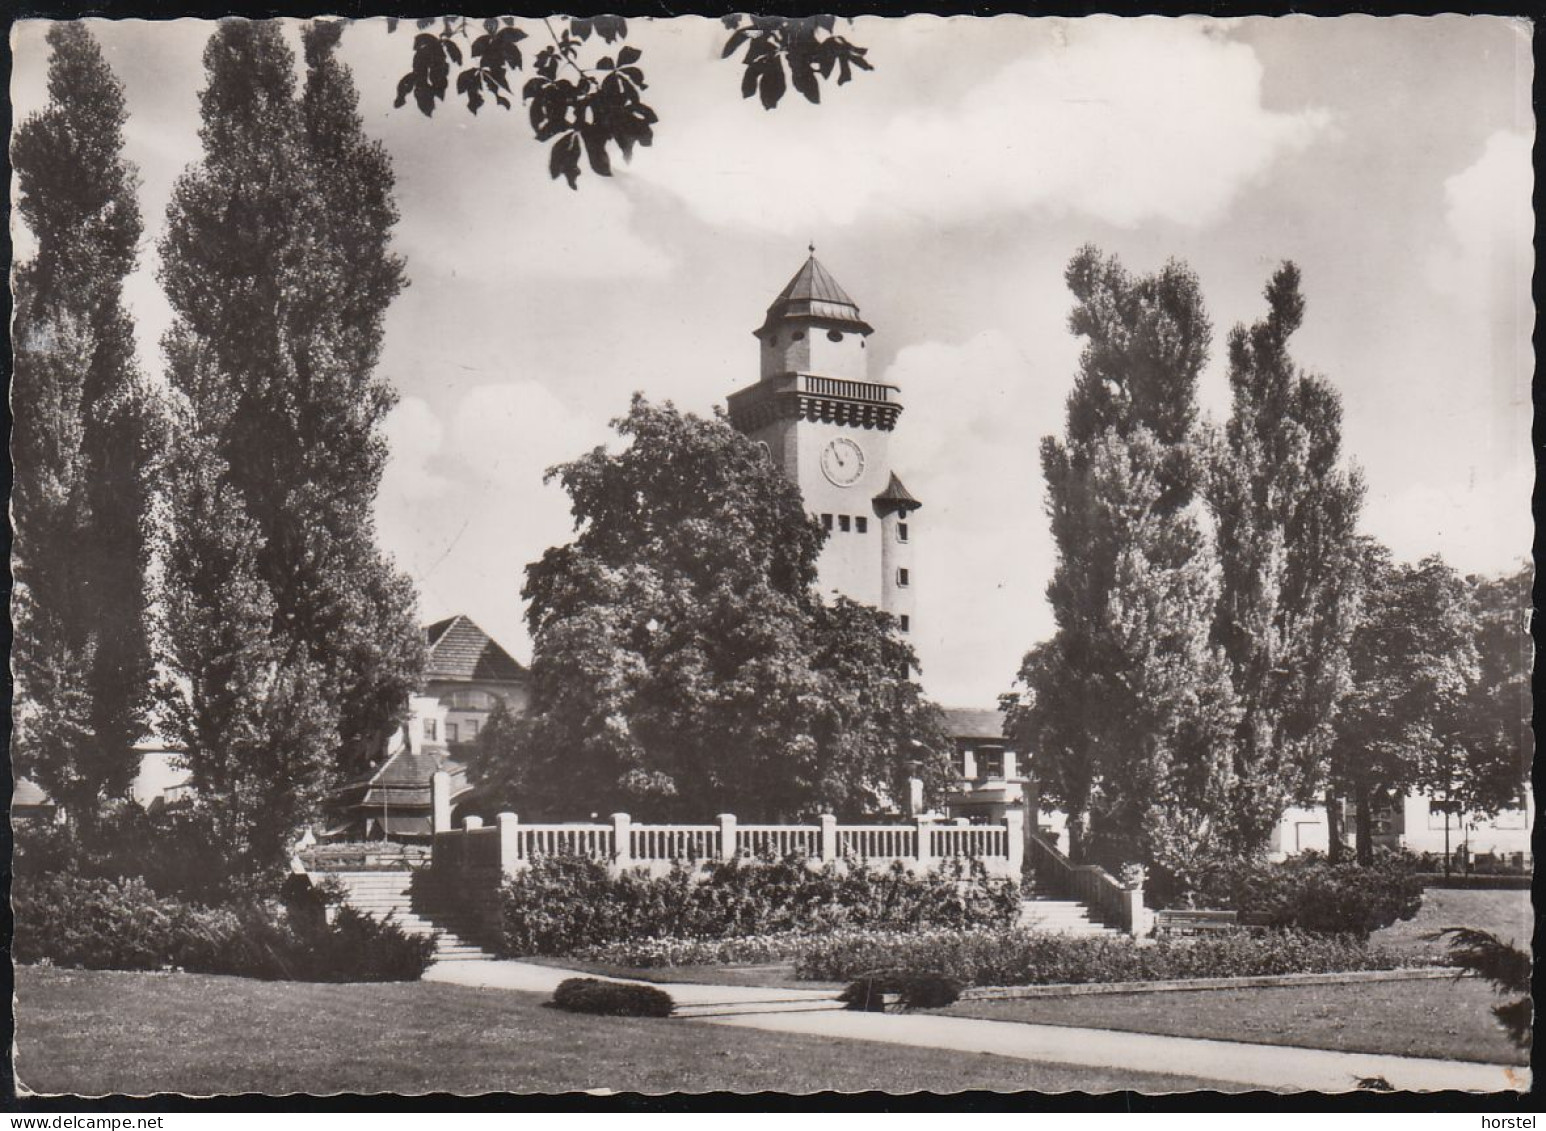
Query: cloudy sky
(946, 191)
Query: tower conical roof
(814, 293)
(896, 497)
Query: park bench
(1183, 922)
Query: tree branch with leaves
(584, 98)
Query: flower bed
(568, 905)
(662, 952)
(1021, 958)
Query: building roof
(814, 293)
(896, 497)
(460, 650)
(974, 722)
(404, 780)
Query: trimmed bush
(612, 999)
(1309, 893)
(914, 990)
(1022, 958)
(100, 924)
(566, 904)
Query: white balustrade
(510, 844)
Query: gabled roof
(896, 497)
(460, 650)
(814, 293)
(974, 722)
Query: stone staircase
(382, 893)
(1044, 912)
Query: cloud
(1486, 260)
(1124, 121)
(967, 447)
(414, 436)
(462, 505)
(1464, 521)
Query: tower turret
(827, 426)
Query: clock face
(842, 461)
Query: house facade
(467, 674)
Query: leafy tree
(683, 663)
(1478, 759)
(583, 105)
(1130, 707)
(291, 638)
(1413, 661)
(1285, 514)
(84, 439)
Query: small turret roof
(814, 293)
(896, 497)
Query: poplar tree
(291, 638)
(1286, 512)
(83, 442)
(1129, 707)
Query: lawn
(107, 1032)
(1439, 1018)
(1506, 914)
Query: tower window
(901, 532)
(843, 523)
(826, 523)
(834, 336)
(452, 733)
(903, 578)
(429, 729)
(907, 622)
(862, 524)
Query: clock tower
(827, 426)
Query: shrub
(1019, 958)
(1310, 893)
(914, 990)
(612, 999)
(173, 849)
(566, 904)
(100, 924)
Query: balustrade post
(440, 795)
(509, 843)
(472, 822)
(622, 840)
(727, 845)
(1014, 835)
(925, 853)
(828, 838)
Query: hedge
(100, 924)
(1494, 881)
(1027, 958)
(565, 904)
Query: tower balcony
(808, 396)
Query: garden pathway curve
(815, 1013)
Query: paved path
(813, 1012)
